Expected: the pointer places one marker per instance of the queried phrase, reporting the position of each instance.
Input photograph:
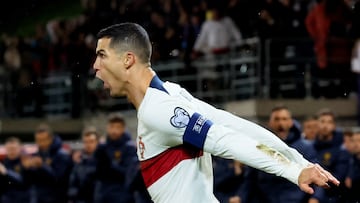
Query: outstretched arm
(261, 149)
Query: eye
(101, 55)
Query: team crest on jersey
(180, 119)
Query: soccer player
(177, 133)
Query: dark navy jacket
(116, 164)
(269, 188)
(354, 174)
(52, 179)
(82, 180)
(335, 159)
(14, 187)
(226, 182)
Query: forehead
(356, 136)
(326, 117)
(41, 135)
(89, 137)
(10, 144)
(103, 44)
(281, 113)
(311, 122)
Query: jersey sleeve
(180, 121)
(262, 135)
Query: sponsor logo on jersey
(180, 119)
(141, 147)
(199, 124)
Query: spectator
(328, 25)
(244, 15)
(354, 183)
(191, 26)
(217, 34)
(348, 143)
(310, 128)
(82, 178)
(266, 185)
(355, 68)
(116, 163)
(49, 168)
(331, 156)
(15, 189)
(227, 178)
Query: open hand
(315, 174)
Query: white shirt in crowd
(217, 34)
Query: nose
(96, 66)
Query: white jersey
(177, 134)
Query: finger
(320, 178)
(331, 178)
(306, 188)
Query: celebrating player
(177, 133)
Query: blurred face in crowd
(349, 142)
(90, 142)
(43, 140)
(13, 150)
(280, 123)
(115, 130)
(310, 129)
(110, 67)
(326, 126)
(356, 141)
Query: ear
(129, 59)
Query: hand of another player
(315, 174)
(235, 199)
(37, 162)
(26, 162)
(3, 170)
(313, 200)
(348, 182)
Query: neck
(138, 84)
(326, 138)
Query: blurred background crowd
(47, 68)
(104, 167)
(183, 31)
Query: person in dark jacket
(49, 168)
(82, 178)
(14, 187)
(227, 178)
(270, 188)
(332, 156)
(354, 171)
(117, 164)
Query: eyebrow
(101, 51)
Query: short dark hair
(90, 130)
(128, 37)
(116, 118)
(43, 127)
(310, 118)
(348, 132)
(326, 112)
(12, 139)
(279, 107)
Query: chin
(116, 93)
